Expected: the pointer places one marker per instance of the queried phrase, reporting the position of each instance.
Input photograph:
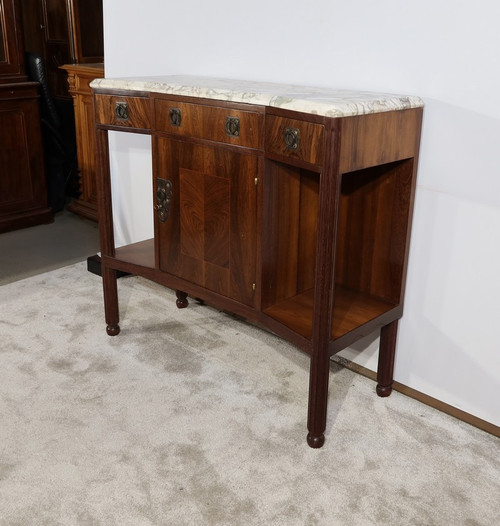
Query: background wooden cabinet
(23, 193)
(63, 32)
(79, 78)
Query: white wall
(446, 51)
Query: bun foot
(384, 391)
(315, 441)
(181, 301)
(112, 330)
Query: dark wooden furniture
(297, 221)
(63, 32)
(79, 78)
(23, 193)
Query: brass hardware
(233, 126)
(175, 116)
(254, 286)
(121, 111)
(292, 138)
(256, 181)
(163, 198)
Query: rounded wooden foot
(113, 330)
(181, 301)
(315, 442)
(384, 391)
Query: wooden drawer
(127, 112)
(294, 138)
(214, 123)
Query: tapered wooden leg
(110, 301)
(318, 399)
(181, 301)
(387, 351)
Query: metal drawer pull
(233, 126)
(121, 111)
(292, 138)
(163, 198)
(175, 116)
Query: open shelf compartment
(372, 227)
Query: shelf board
(141, 253)
(351, 310)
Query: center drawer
(213, 123)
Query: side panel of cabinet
(210, 234)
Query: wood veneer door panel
(22, 180)
(210, 236)
(15, 184)
(217, 216)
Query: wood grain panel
(191, 201)
(308, 230)
(290, 235)
(208, 122)
(210, 237)
(373, 229)
(243, 229)
(217, 213)
(352, 309)
(379, 138)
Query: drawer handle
(121, 111)
(292, 138)
(175, 116)
(233, 126)
(163, 198)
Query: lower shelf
(141, 253)
(351, 310)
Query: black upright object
(58, 133)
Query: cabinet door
(23, 192)
(210, 234)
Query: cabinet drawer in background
(128, 112)
(213, 123)
(301, 140)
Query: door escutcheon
(163, 198)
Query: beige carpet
(192, 418)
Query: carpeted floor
(192, 418)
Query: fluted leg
(318, 399)
(387, 351)
(110, 301)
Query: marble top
(319, 101)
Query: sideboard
(290, 206)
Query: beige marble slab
(319, 101)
